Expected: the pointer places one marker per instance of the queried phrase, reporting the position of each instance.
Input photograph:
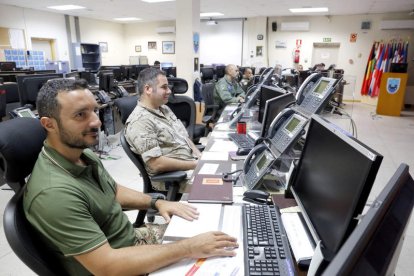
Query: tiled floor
(391, 136)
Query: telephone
(103, 97)
(120, 91)
(257, 165)
(312, 98)
(22, 112)
(285, 131)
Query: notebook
(210, 188)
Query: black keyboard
(266, 246)
(242, 140)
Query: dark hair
(47, 103)
(148, 76)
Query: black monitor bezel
(350, 254)
(267, 92)
(364, 190)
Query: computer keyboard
(266, 248)
(242, 140)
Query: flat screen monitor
(29, 86)
(165, 65)
(88, 76)
(267, 93)
(106, 81)
(127, 71)
(332, 182)
(7, 65)
(170, 71)
(138, 69)
(114, 69)
(272, 108)
(374, 246)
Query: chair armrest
(176, 176)
(206, 119)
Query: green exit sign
(327, 39)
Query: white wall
(37, 24)
(95, 31)
(141, 33)
(339, 28)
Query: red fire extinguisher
(296, 55)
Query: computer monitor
(267, 93)
(88, 76)
(106, 80)
(74, 75)
(332, 182)
(374, 246)
(7, 65)
(272, 108)
(165, 65)
(138, 69)
(170, 71)
(29, 86)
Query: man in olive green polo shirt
(77, 206)
(227, 90)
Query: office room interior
(249, 34)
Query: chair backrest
(2, 102)
(207, 74)
(125, 106)
(138, 162)
(220, 71)
(21, 140)
(25, 240)
(12, 92)
(207, 92)
(182, 105)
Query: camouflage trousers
(149, 234)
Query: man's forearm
(132, 199)
(167, 164)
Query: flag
(368, 70)
(376, 69)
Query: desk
(229, 221)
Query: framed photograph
(259, 51)
(137, 48)
(168, 47)
(103, 46)
(152, 45)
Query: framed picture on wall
(103, 46)
(137, 48)
(152, 45)
(168, 47)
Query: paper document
(208, 220)
(220, 135)
(208, 168)
(222, 145)
(214, 155)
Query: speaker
(274, 26)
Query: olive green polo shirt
(74, 207)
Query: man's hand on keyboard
(211, 244)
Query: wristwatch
(154, 200)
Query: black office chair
(21, 140)
(207, 74)
(11, 98)
(184, 108)
(210, 107)
(171, 179)
(220, 71)
(125, 106)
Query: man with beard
(154, 132)
(76, 206)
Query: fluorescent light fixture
(66, 7)
(210, 14)
(127, 18)
(156, 1)
(309, 9)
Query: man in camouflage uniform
(154, 132)
(227, 89)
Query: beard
(77, 142)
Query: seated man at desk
(76, 206)
(247, 79)
(227, 90)
(154, 132)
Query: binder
(208, 188)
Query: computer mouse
(256, 194)
(242, 151)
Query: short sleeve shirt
(74, 207)
(154, 133)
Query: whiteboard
(221, 43)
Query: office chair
(171, 179)
(21, 140)
(184, 108)
(2, 103)
(125, 106)
(25, 240)
(207, 74)
(210, 110)
(12, 100)
(220, 71)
